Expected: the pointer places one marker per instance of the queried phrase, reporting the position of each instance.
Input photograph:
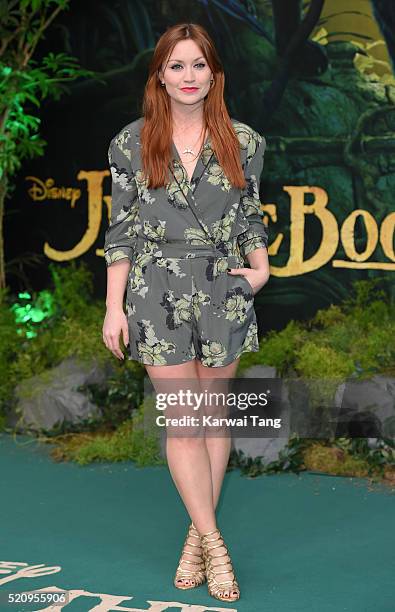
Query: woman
(185, 218)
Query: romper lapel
(201, 164)
(188, 189)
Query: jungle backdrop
(315, 78)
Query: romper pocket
(239, 279)
(248, 284)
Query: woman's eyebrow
(176, 60)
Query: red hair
(156, 133)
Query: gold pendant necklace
(189, 151)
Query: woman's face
(186, 68)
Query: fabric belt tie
(179, 249)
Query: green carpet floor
(112, 533)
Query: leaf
(32, 98)
(341, 13)
(350, 34)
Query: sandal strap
(188, 571)
(191, 562)
(224, 572)
(193, 535)
(204, 535)
(198, 576)
(225, 554)
(216, 545)
(188, 552)
(191, 544)
(232, 582)
(223, 563)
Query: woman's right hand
(115, 322)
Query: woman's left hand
(256, 277)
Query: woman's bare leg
(218, 447)
(187, 457)
(197, 464)
(219, 451)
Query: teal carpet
(113, 533)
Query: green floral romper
(181, 303)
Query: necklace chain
(189, 151)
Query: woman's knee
(191, 443)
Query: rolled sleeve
(121, 232)
(256, 236)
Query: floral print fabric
(180, 239)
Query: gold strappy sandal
(215, 588)
(195, 576)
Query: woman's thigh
(215, 382)
(177, 387)
(186, 370)
(227, 371)
(184, 380)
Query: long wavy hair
(156, 132)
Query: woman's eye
(199, 64)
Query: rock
(51, 398)
(259, 371)
(362, 408)
(266, 447)
(369, 401)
